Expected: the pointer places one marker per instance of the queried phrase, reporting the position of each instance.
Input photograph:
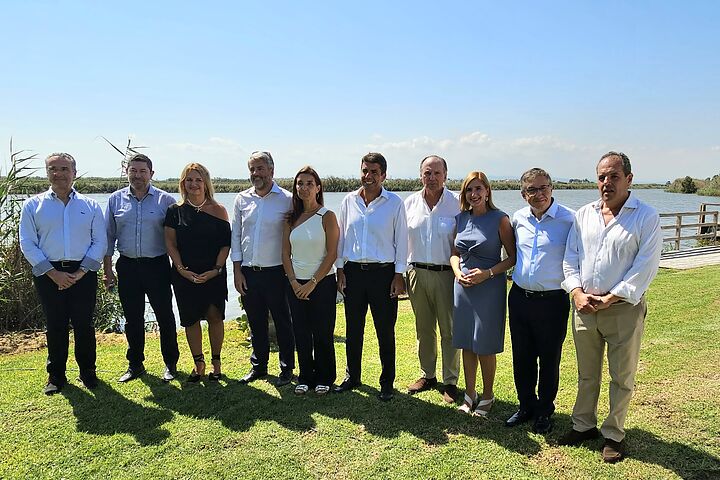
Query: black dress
(200, 237)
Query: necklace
(197, 207)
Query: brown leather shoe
(613, 451)
(451, 393)
(422, 384)
(573, 437)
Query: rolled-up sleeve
(98, 241)
(571, 260)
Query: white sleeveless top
(308, 246)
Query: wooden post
(678, 230)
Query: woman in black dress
(197, 235)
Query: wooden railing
(706, 228)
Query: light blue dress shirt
(137, 225)
(540, 246)
(51, 231)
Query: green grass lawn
(148, 429)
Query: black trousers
(538, 326)
(138, 277)
(266, 292)
(365, 288)
(74, 306)
(314, 326)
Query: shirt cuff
(90, 264)
(236, 257)
(570, 284)
(42, 268)
(627, 292)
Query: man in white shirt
(431, 225)
(256, 252)
(62, 235)
(538, 306)
(612, 255)
(372, 258)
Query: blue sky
(495, 88)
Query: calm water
(507, 200)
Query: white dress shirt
(257, 226)
(621, 257)
(376, 233)
(431, 232)
(540, 246)
(51, 231)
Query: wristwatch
(219, 268)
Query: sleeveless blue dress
(479, 310)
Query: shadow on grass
(104, 411)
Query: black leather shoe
(169, 373)
(284, 378)
(253, 375)
(52, 388)
(573, 437)
(131, 374)
(89, 380)
(345, 386)
(543, 424)
(612, 451)
(386, 395)
(518, 418)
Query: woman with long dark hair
(310, 239)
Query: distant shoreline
(330, 184)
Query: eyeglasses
(532, 191)
(54, 169)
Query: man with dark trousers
(538, 306)
(134, 219)
(62, 235)
(372, 257)
(258, 217)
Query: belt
(369, 266)
(66, 265)
(540, 293)
(258, 268)
(430, 266)
(144, 259)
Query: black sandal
(212, 375)
(195, 376)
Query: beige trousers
(620, 327)
(431, 296)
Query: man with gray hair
(62, 235)
(431, 227)
(612, 255)
(538, 306)
(258, 217)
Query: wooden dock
(690, 258)
(706, 226)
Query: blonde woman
(479, 295)
(197, 235)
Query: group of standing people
(291, 255)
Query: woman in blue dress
(482, 230)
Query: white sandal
(482, 412)
(321, 389)
(301, 389)
(469, 405)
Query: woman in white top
(310, 239)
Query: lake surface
(507, 200)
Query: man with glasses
(62, 235)
(538, 306)
(612, 255)
(431, 227)
(134, 217)
(258, 217)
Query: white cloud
(475, 138)
(543, 141)
(715, 148)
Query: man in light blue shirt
(134, 219)
(62, 235)
(538, 306)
